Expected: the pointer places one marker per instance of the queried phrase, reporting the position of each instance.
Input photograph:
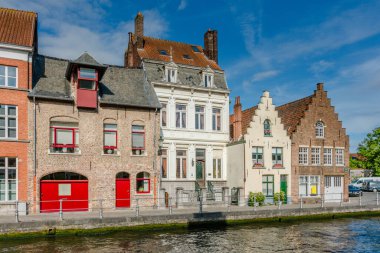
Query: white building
(194, 96)
(260, 153)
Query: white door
(333, 188)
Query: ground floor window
(268, 185)
(8, 179)
(309, 186)
(217, 168)
(143, 182)
(181, 171)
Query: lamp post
(160, 145)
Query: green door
(284, 186)
(199, 172)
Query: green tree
(369, 149)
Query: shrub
(258, 196)
(279, 196)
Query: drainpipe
(155, 157)
(34, 137)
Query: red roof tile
(17, 27)
(292, 113)
(152, 47)
(246, 118)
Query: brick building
(18, 43)
(320, 148)
(97, 131)
(192, 89)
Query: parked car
(354, 190)
(373, 186)
(359, 182)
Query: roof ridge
(173, 41)
(291, 102)
(17, 10)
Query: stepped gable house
(320, 148)
(259, 155)
(97, 131)
(18, 44)
(194, 95)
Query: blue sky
(285, 47)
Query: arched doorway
(123, 190)
(71, 187)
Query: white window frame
(6, 188)
(181, 158)
(303, 155)
(339, 156)
(320, 129)
(309, 184)
(217, 169)
(215, 119)
(182, 114)
(315, 156)
(208, 80)
(327, 156)
(6, 117)
(6, 76)
(198, 116)
(171, 75)
(164, 109)
(164, 155)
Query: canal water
(342, 235)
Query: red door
(73, 192)
(123, 196)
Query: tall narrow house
(18, 43)
(193, 92)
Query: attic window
(87, 79)
(163, 52)
(186, 56)
(195, 49)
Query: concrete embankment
(46, 226)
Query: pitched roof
(152, 47)
(86, 59)
(246, 118)
(292, 113)
(119, 86)
(17, 27)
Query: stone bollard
(161, 201)
(201, 203)
(60, 209)
(101, 209)
(170, 206)
(225, 191)
(16, 212)
(341, 199)
(241, 197)
(360, 200)
(301, 202)
(137, 208)
(322, 201)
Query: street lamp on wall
(192, 162)
(160, 145)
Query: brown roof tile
(292, 113)
(246, 118)
(17, 27)
(152, 47)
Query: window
(110, 139)
(8, 76)
(309, 186)
(163, 116)
(171, 75)
(267, 128)
(257, 157)
(319, 130)
(87, 79)
(339, 156)
(143, 182)
(8, 122)
(195, 49)
(64, 137)
(8, 179)
(277, 157)
(268, 185)
(186, 56)
(217, 165)
(216, 119)
(208, 80)
(303, 154)
(138, 140)
(180, 116)
(327, 156)
(199, 117)
(181, 164)
(164, 163)
(163, 52)
(315, 156)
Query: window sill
(144, 155)
(74, 154)
(111, 155)
(280, 168)
(13, 140)
(143, 194)
(316, 196)
(258, 168)
(13, 88)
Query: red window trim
(89, 79)
(138, 132)
(110, 147)
(143, 179)
(57, 145)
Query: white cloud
(320, 66)
(182, 5)
(66, 31)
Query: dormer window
(171, 72)
(208, 77)
(87, 78)
(195, 49)
(163, 52)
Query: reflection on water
(345, 235)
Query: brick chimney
(139, 29)
(236, 124)
(211, 44)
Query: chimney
(139, 29)
(211, 44)
(319, 86)
(236, 124)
